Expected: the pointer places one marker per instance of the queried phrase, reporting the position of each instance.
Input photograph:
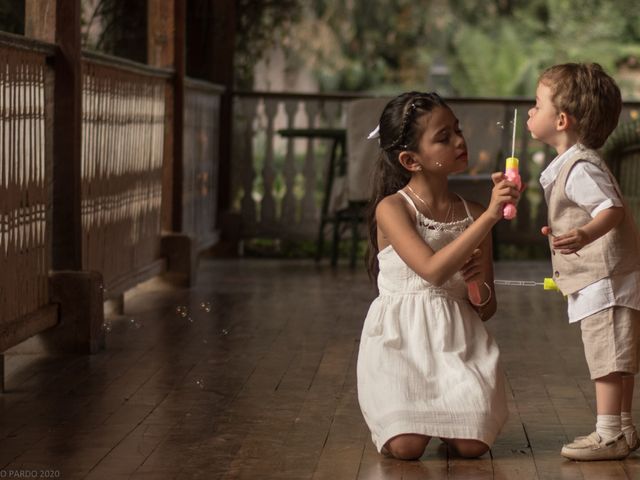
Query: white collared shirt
(591, 188)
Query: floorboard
(252, 374)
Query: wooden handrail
(126, 65)
(29, 44)
(354, 96)
(204, 86)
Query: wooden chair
(362, 118)
(334, 185)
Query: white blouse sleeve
(591, 188)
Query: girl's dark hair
(400, 130)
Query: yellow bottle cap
(549, 284)
(512, 162)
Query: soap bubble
(135, 323)
(538, 157)
(504, 125)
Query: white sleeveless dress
(427, 364)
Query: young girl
(427, 366)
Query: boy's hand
(546, 231)
(570, 242)
(472, 270)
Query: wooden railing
(122, 157)
(25, 190)
(277, 182)
(200, 161)
(126, 179)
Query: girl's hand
(472, 269)
(503, 192)
(571, 242)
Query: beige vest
(616, 252)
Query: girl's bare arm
(397, 224)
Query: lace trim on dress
(426, 222)
(457, 226)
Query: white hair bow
(375, 133)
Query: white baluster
(289, 171)
(268, 205)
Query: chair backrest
(362, 117)
(622, 153)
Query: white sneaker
(593, 447)
(631, 434)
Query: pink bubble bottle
(513, 175)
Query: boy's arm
(578, 238)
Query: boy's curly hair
(585, 92)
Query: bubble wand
(548, 283)
(509, 210)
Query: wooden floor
(251, 374)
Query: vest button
(556, 273)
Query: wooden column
(67, 133)
(40, 20)
(59, 21)
(178, 113)
(166, 49)
(161, 54)
(78, 295)
(160, 38)
(220, 70)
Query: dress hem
(460, 431)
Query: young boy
(594, 245)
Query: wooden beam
(67, 227)
(13, 333)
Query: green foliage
(115, 27)
(490, 48)
(492, 64)
(260, 24)
(351, 46)
(12, 16)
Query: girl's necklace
(448, 217)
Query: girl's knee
(408, 446)
(470, 448)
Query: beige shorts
(611, 339)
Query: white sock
(608, 426)
(626, 419)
